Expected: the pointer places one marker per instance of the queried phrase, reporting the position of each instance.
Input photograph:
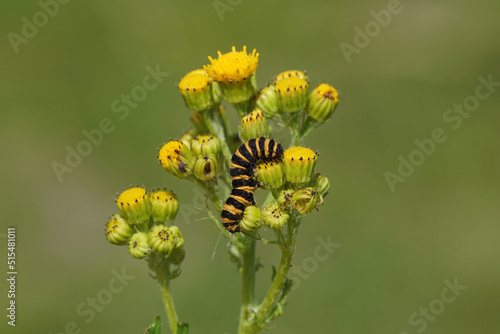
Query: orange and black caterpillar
(242, 171)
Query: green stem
(168, 303)
(275, 291)
(247, 283)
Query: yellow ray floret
(233, 67)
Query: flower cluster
(144, 222)
(229, 165)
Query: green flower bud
(188, 136)
(298, 164)
(197, 90)
(274, 216)
(270, 174)
(290, 74)
(177, 158)
(304, 200)
(205, 145)
(251, 218)
(178, 239)
(206, 167)
(322, 102)
(321, 183)
(235, 73)
(284, 198)
(118, 231)
(164, 239)
(254, 125)
(266, 101)
(138, 245)
(164, 206)
(134, 205)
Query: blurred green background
(396, 248)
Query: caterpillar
(242, 172)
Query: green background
(396, 247)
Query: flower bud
(304, 200)
(275, 217)
(298, 164)
(321, 183)
(197, 91)
(234, 71)
(266, 101)
(291, 93)
(118, 231)
(285, 197)
(322, 102)
(177, 158)
(290, 74)
(270, 174)
(254, 125)
(206, 167)
(164, 239)
(251, 219)
(188, 136)
(164, 206)
(134, 205)
(138, 245)
(205, 145)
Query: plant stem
(275, 291)
(168, 303)
(247, 283)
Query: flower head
(233, 67)
(299, 163)
(164, 239)
(274, 216)
(290, 74)
(270, 174)
(134, 205)
(138, 245)
(291, 93)
(253, 125)
(164, 206)
(251, 218)
(304, 200)
(266, 101)
(177, 158)
(322, 102)
(197, 90)
(205, 145)
(206, 167)
(118, 230)
(234, 71)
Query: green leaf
(273, 274)
(155, 327)
(182, 328)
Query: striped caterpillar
(242, 172)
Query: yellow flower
(322, 102)
(298, 164)
(234, 71)
(177, 158)
(134, 205)
(233, 67)
(198, 90)
(291, 93)
(253, 125)
(290, 74)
